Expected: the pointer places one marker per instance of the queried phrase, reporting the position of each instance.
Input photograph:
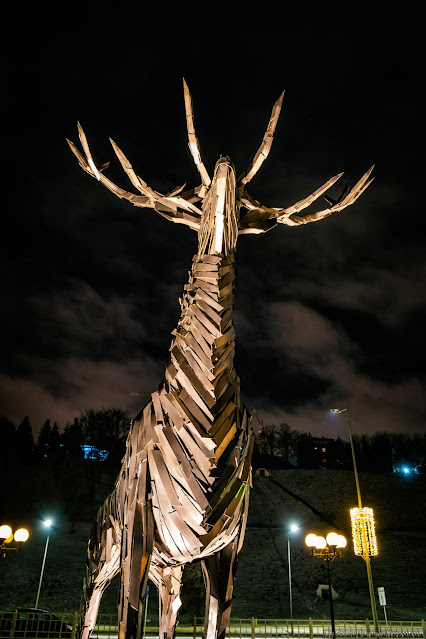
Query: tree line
(280, 445)
(60, 470)
(69, 469)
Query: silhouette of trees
(55, 473)
(382, 452)
(42, 444)
(286, 441)
(73, 439)
(104, 432)
(25, 440)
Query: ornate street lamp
(363, 531)
(327, 549)
(7, 536)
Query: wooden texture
(183, 490)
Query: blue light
(406, 470)
(93, 453)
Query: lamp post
(7, 536)
(327, 549)
(293, 528)
(364, 538)
(47, 523)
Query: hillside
(261, 587)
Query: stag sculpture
(182, 493)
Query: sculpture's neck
(201, 370)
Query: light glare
(21, 535)
(5, 531)
(320, 543)
(311, 540)
(364, 532)
(341, 543)
(195, 153)
(332, 539)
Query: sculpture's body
(182, 493)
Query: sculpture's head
(223, 195)
(220, 208)
(218, 230)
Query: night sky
(328, 314)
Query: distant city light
(94, 454)
(405, 470)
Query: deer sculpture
(182, 493)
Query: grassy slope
(261, 587)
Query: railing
(256, 628)
(23, 624)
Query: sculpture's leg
(108, 572)
(219, 572)
(169, 586)
(138, 541)
(103, 562)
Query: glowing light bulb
(320, 543)
(311, 540)
(5, 531)
(332, 539)
(341, 543)
(21, 535)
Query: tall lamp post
(327, 549)
(363, 521)
(47, 523)
(293, 528)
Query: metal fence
(45, 625)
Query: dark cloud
(327, 313)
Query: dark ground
(261, 588)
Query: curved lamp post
(7, 536)
(366, 532)
(327, 549)
(47, 523)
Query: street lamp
(7, 536)
(293, 528)
(327, 549)
(364, 517)
(47, 523)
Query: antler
(347, 197)
(265, 146)
(193, 143)
(171, 206)
(260, 218)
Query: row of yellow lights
(7, 535)
(364, 532)
(332, 540)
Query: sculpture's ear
(256, 221)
